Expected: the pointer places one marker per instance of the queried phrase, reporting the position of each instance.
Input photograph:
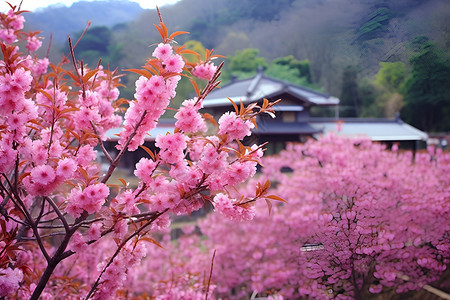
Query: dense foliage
(360, 220)
(57, 208)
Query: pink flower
(9, 281)
(163, 51)
(172, 146)
(85, 116)
(156, 84)
(7, 157)
(239, 172)
(188, 117)
(126, 202)
(66, 168)
(43, 174)
(171, 84)
(33, 43)
(121, 229)
(205, 71)
(212, 161)
(39, 153)
(22, 79)
(174, 63)
(94, 232)
(16, 20)
(86, 154)
(8, 36)
(375, 289)
(226, 206)
(174, 141)
(144, 169)
(77, 243)
(40, 67)
(235, 127)
(90, 199)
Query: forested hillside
(60, 20)
(370, 53)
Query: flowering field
(352, 219)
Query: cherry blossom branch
(41, 212)
(114, 164)
(102, 146)
(19, 222)
(212, 84)
(58, 212)
(72, 53)
(28, 217)
(210, 275)
(44, 236)
(52, 262)
(119, 248)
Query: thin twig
(114, 164)
(159, 15)
(100, 142)
(82, 34)
(210, 274)
(119, 248)
(41, 212)
(44, 236)
(19, 204)
(49, 45)
(72, 53)
(58, 212)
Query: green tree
(391, 75)
(381, 96)
(247, 60)
(427, 89)
(245, 63)
(303, 66)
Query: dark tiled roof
(260, 86)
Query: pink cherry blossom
(33, 43)
(163, 51)
(205, 71)
(235, 127)
(43, 174)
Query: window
(288, 116)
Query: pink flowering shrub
(66, 232)
(360, 220)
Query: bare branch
(210, 275)
(58, 212)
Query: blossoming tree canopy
(55, 203)
(361, 220)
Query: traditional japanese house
(295, 122)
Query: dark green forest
(378, 57)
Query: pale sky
(34, 4)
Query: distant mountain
(333, 35)
(61, 20)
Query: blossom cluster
(61, 217)
(152, 95)
(205, 71)
(359, 220)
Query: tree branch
(119, 248)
